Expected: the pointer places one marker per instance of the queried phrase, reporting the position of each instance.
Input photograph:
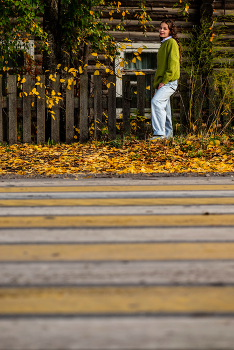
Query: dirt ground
(99, 176)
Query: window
(148, 65)
(148, 61)
(17, 58)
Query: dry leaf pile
(189, 154)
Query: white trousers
(161, 110)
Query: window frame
(150, 47)
(30, 49)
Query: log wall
(222, 10)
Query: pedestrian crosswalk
(116, 221)
(117, 300)
(118, 251)
(111, 264)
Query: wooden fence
(11, 103)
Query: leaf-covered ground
(182, 155)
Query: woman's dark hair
(173, 33)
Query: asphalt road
(117, 264)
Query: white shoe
(157, 138)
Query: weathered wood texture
(70, 107)
(161, 10)
(99, 102)
(27, 110)
(55, 120)
(112, 107)
(158, 11)
(98, 106)
(141, 104)
(41, 111)
(84, 108)
(12, 109)
(141, 94)
(126, 89)
(1, 119)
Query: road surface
(101, 264)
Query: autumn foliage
(182, 155)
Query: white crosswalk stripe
(141, 287)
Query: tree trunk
(52, 26)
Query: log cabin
(222, 10)
(158, 11)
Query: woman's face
(164, 31)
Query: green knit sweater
(168, 63)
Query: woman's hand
(160, 85)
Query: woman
(166, 80)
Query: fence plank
(41, 111)
(184, 103)
(112, 107)
(98, 105)
(84, 108)
(55, 120)
(141, 104)
(12, 108)
(27, 110)
(141, 94)
(70, 113)
(1, 116)
(126, 88)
